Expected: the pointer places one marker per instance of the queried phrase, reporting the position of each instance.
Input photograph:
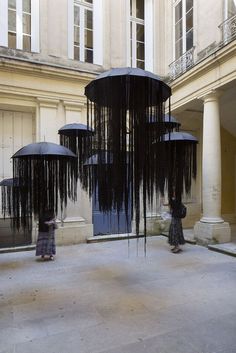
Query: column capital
(210, 96)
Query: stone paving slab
(109, 298)
(225, 248)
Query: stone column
(211, 227)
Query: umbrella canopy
(180, 136)
(167, 125)
(133, 83)
(103, 158)
(119, 101)
(41, 149)
(75, 129)
(9, 182)
(47, 176)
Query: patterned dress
(46, 239)
(175, 236)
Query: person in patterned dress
(175, 236)
(45, 246)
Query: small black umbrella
(180, 136)
(75, 129)
(103, 158)
(181, 164)
(9, 182)
(78, 138)
(46, 174)
(168, 124)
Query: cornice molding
(74, 106)
(45, 102)
(41, 69)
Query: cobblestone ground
(102, 298)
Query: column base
(212, 233)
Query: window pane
(76, 53)
(140, 51)
(189, 5)
(11, 40)
(88, 39)
(11, 20)
(76, 15)
(88, 56)
(140, 33)
(189, 20)
(231, 8)
(88, 19)
(140, 9)
(89, 1)
(178, 12)
(27, 43)
(27, 6)
(76, 35)
(26, 23)
(12, 4)
(178, 49)
(178, 30)
(140, 64)
(189, 40)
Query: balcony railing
(228, 29)
(181, 65)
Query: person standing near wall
(175, 236)
(45, 246)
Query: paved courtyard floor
(97, 298)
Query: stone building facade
(51, 49)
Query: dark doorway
(110, 223)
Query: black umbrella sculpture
(78, 138)
(118, 103)
(181, 164)
(46, 174)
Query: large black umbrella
(78, 138)
(46, 176)
(119, 101)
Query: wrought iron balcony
(181, 65)
(228, 29)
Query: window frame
(226, 9)
(183, 28)
(133, 23)
(83, 7)
(34, 25)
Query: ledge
(225, 248)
